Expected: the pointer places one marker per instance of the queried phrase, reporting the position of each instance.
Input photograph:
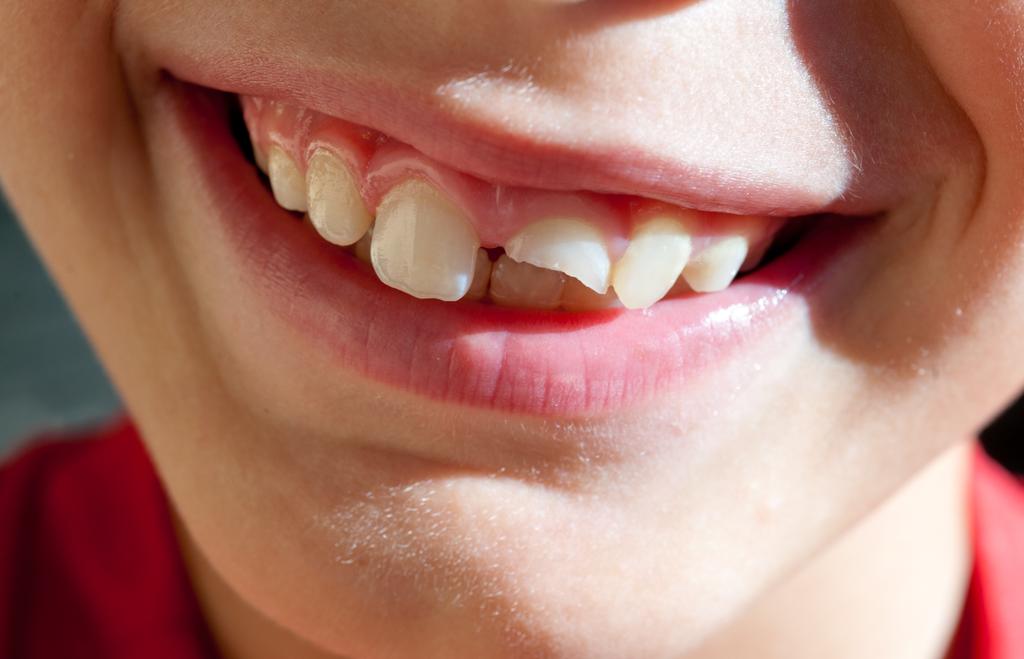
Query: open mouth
(419, 275)
(436, 233)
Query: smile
(436, 233)
(416, 274)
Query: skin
(736, 522)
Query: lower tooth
(717, 265)
(362, 247)
(482, 277)
(515, 284)
(679, 288)
(286, 181)
(422, 244)
(577, 297)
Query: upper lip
(505, 157)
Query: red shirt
(89, 563)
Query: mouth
(422, 276)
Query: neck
(893, 586)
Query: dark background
(50, 380)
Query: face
(486, 449)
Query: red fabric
(992, 626)
(89, 563)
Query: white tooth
(567, 245)
(657, 253)
(422, 244)
(515, 284)
(481, 277)
(577, 297)
(335, 206)
(362, 247)
(286, 181)
(717, 265)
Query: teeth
(515, 284)
(362, 247)
(577, 297)
(567, 245)
(481, 277)
(425, 245)
(717, 265)
(286, 181)
(657, 254)
(335, 206)
(422, 244)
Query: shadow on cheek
(900, 305)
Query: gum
(497, 212)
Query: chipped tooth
(577, 297)
(362, 247)
(481, 278)
(422, 244)
(567, 245)
(336, 208)
(515, 284)
(657, 253)
(286, 181)
(714, 268)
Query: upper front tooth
(567, 245)
(286, 181)
(336, 208)
(717, 265)
(657, 253)
(422, 244)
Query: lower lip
(520, 361)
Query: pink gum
(497, 212)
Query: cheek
(902, 132)
(988, 259)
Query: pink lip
(490, 153)
(540, 363)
